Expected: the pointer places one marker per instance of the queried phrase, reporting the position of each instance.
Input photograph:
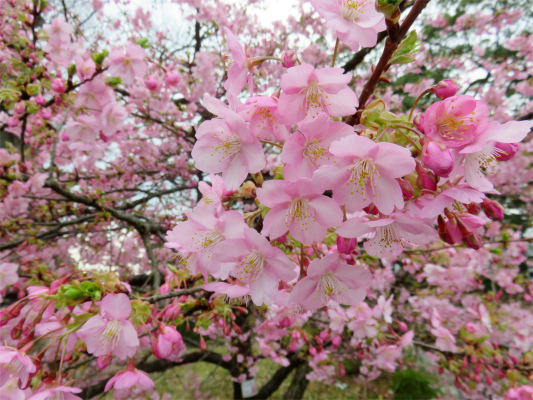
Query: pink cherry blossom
(11, 391)
(128, 383)
(85, 68)
(241, 67)
(212, 195)
(15, 363)
(456, 121)
(386, 357)
(59, 392)
(363, 325)
(366, 173)
(110, 331)
(265, 121)
(308, 92)
(388, 236)
(237, 292)
(437, 158)
(8, 274)
(453, 196)
(255, 261)
(446, 88)
(481, 156)
(168, 342)
(355, 22)
(328, 279)
(298, 207)
(227, 145)
(129, 65)
(200, 234)
(308, 149)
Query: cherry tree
(344, 192)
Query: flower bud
(407, 189)
(506, 151)
(473, 241)
(470, 327)
(345, 246)
(289, 59)
(418, 120)
(446, 88)
(493, 209)
(151, 83)
(473, 208)
(12, 121)
(19, 108)
(285, 322)
(371, 209)
(390, 8)
(336, 341)
(103, 361)
(403, 326)
(437, 158)
(172, 79)
(58, 85)
(426, 179)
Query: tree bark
(299, 383)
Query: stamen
(329, 287)
(111, 334)
(251, 267)
(300, 213)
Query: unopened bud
(505, 151)
(473, 241)
(446, 88)
(289, 59)
(437, 158)
(493, 209)
(473, 208)
(58, 85)
(172, 79)
(151, 83)
(407, 189)
(345, 245)
(418, 120)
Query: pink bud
(58, 85)
(103, 137)
(407, 189)
(312, 351)
(506, 151)
(437, 158)
(336, 341)
(473, 208)
(493, 209)
(103, 361)
(345, 246)
(12, 121)
(19, 108)
(473, 241)
(292, 346)
(418, 120)
(285, 322)
(289, 59)
(470, 327)
(46, 114)
(39, 99)
(446, 88)
(426, 179)
(402, 325)
(151, 83)
(172, 79)
(527, 297)
(202, 345)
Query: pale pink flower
(94, 95)
(241, 66)
(11, 391)
(386, 357)
(213, 194)
(129, 383)
(84, 129)
(445, 339)
(59, 29)
(15, 363)
(366, 173)
(113, 116)
(59, 392)
(481, 156)
(200, 234)
(129, 65)
(328, 279)
(227, 145)
(265, 121)
(111, 332)
(384, 309)
(388, 236)
(255, 261)
(298, 207)
(8, 274)
(456, 121)
(355, 22)
(85, 68)
(168, 342)
(362, 325)
(236, 293)
(308, 148)
(454, 196)
(308, 92)
(521, 393)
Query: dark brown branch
(170, 295)
(391, 45)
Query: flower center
(363, 172)
(300, 212)
(111, 334)
(487, 159)
(351, 10)
(313, 152)
(329, 286)
(315, 100)
(229, 146)
(251, 267)
(387, 236)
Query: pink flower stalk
(60, 392)
(438, 158)
(388, 236)
(298, 207)
(200, 234)
(227, 145)
(241, 68)
(15, 363)
(255, 261)
(456, 197)
(446, 88)
(308, 92)
(366, 173)
(129, 65)
(265, 121)
(111, 332)
(168, 342)
(129, 383)
(355, 22)
(8, 274)
(308, 149)
(456, 121)
(328, 279)
(481, 155)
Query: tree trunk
(298, 385)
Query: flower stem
(416, 102)
(335, 53)
(272, 143)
